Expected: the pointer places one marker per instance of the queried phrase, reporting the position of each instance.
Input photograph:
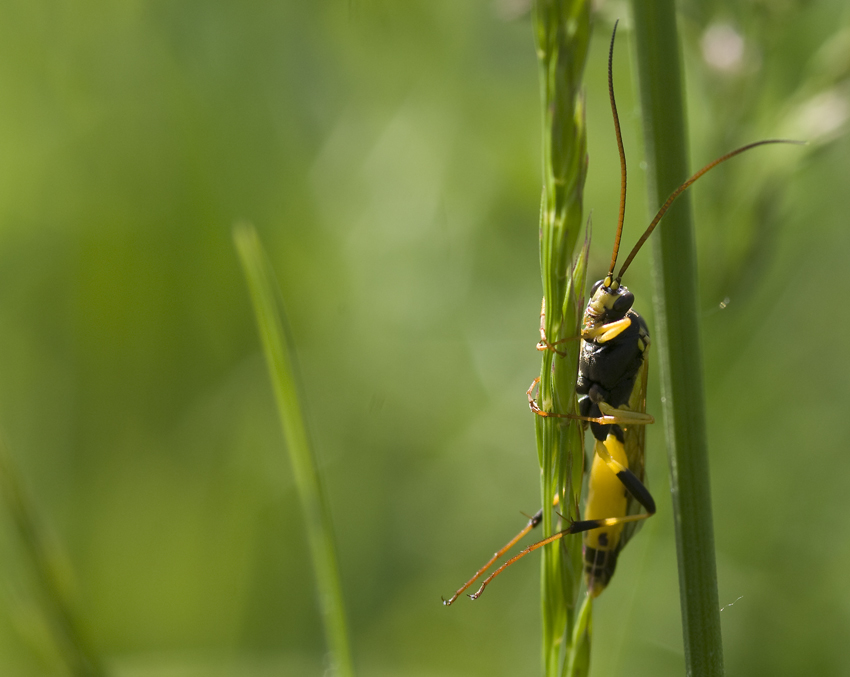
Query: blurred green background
(389, 155)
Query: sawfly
(611, 389)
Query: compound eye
(623, 303)
(595, 287)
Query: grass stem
(280, 359)
(562, 33)
(677, 331)
(46, 566)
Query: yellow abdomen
(606, 497)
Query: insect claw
(567, 519)
(544, 345)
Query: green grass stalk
(677, 331)
(562, 33)
(281, 362)
(48, 571)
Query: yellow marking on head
(603, 299)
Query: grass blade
(677, 331)
(45, 565)
(280, 359)
(562, 33)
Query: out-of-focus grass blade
(280, 358)
(46, 567)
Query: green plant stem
(281, 362)
(45, 565)
(677, 332)
(562, 32)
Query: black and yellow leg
(606, 332)
(606, 500)
(611, 415)
(606, 511)
(610, 479)
(533, 521)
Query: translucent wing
(634, 438)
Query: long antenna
(681, 189)
(622, 153)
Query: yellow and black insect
(611, 387)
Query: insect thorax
(615, 339)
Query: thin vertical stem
(562, 32)
(45, 564)
(677, 331)
(280, 359)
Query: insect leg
(544, 343)
(611, 415)
(605, 495)
(532, 404)
(519, 555)
(624, 417)
(627, 479)
(536, 519)
(608, 509)
(607, 332)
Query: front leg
(606, 332)
(544, 343)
